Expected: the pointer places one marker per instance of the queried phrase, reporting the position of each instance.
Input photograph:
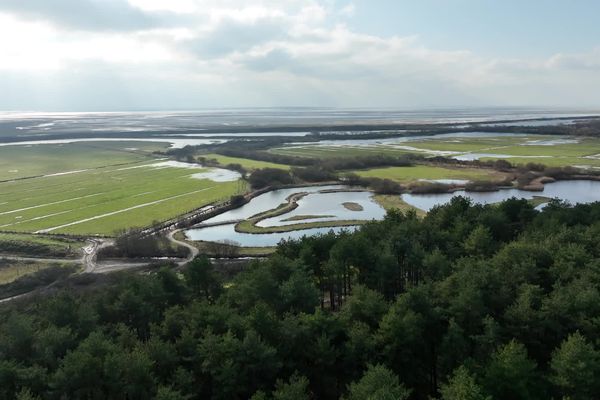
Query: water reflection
(227, 232)
(329, 207)
(571, 191)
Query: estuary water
(572, 191)
(318, 206)
(330, 204)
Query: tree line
(469, 302)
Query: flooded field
(551, 150)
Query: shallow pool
(572, 191)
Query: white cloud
(348, 10)
(203, 53)
(588, 61)
(103, 15)
(40, 47)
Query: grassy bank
(390, 202)
(11, 270)
(39, 245)
(249, 226)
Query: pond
(227, 232)
(266, 201)
(213, 174)
(319, 206)
(175, 142)
(477, 156)
(329, 207)
(572, 191)
(447, 181)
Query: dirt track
(89, 260)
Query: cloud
(587, 62)
(101, 15)
(203, 53)
(232, 35)
(348, 10)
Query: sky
(113, 55)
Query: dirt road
(193, 250)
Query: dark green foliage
(510, 374)
(462, 386)
(576, 367)
(138, 245)
(264, 177)
(202, 279)
(378, 383)
(313, 174)
(471, 302)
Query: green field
(244, 162)
(39, 245)
(13, 270)
(522, 149)
(106, 200)
(102, 188)
(414, 173)
(473, 145)
(338, 152)
(27, 161)
(551, 161)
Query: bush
(385, 186)
(262, 178)
(237, 200)
(481, 186)
(430, 187)
(138, 246)
(313, 174)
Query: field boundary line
(121, 211)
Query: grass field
(552, 161)
(105, 200)
(39, 245)
(13, 270)
(244, 162)
(474, 145)
(522, 149)
(105, 187)
(414, 173)
(338, 152)
(25, 161)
